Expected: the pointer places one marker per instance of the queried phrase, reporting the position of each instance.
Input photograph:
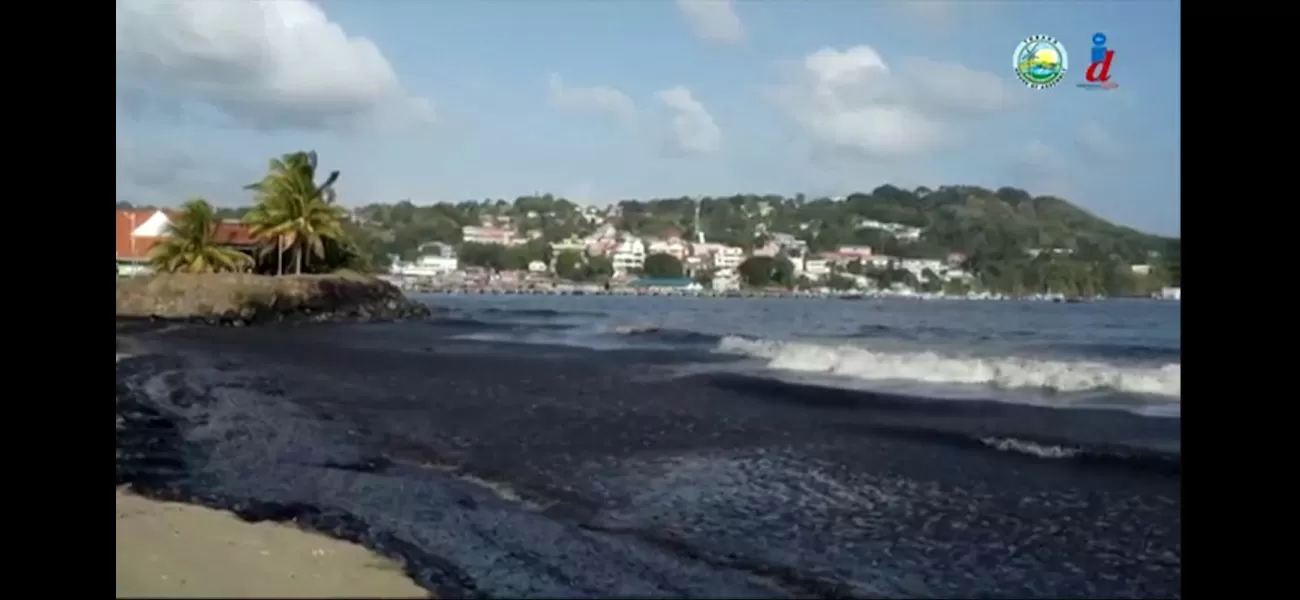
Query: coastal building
(728, 257)
(537, 266)
(958, 275)
(672, 246)
(815, 268)
(1141, 269)
(665, 284)
(628, 255)
(487, 235)
(898, 230)
(1171, 293)
(693, 264)
(789, 243)
(726, 280)
(429, 265)
(856, 251)
(139, 230)
(924, 269)
(572, 244)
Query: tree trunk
(298, 256)
(279, 255)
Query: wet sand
(175, 550)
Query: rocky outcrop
(240, 299)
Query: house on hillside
(139, 230)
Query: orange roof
(135, 247)
(130, 246)
(234, 233)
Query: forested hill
(991, 227)
(953, 219)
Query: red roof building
(139, 230)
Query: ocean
(596, 446)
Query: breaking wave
(998, 372)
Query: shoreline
(401, 440)
(169, 549)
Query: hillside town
(602, 256)
(705, 265)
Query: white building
(789, 243)
(629, 254)
(879, 261)
(487, 235)
(428, 265)
(816, 268)
(728, 257)
(1141, 269)
(862, 252)
(569, 245)
(537, 266)
(918, 266)
(725, 280)
(898, 230)
(673, 247)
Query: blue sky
(600, 100)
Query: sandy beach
(176, 550)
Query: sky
(604, 100)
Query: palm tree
(294, 211)
(190, 246)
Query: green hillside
(1002, 232)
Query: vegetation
(253, 297)
(764, 271)
(190, 246)
(1013, 242)
(293, 213)
(663, 266)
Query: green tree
(762, 271)
(190, 245)
(756, 271)
(294, 212)
(662, 265)
(841, 283)
(599, 267)
(569, 265)
(490, 256)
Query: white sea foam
(999, 372)
(1030, 448)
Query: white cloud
(1096, 143)
(951, 87)
(941, 16)
(713, 20)
(266, 63)
(597, 98)
(166, 174)
(852, 100)
(694, 131)
(1040, 157)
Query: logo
(1040, 61)
(1098, 73)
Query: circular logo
(1040, 61)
